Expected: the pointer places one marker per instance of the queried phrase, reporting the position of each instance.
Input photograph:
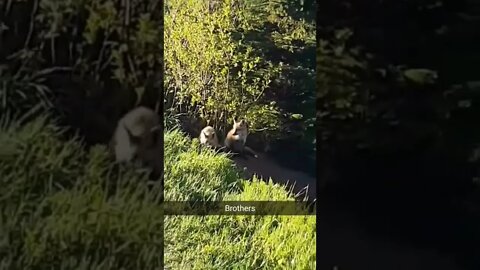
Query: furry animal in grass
(209, 137)
(137, 139)
(237, 137)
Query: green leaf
(296, 116)
(421, 76)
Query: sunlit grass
(228, 242)
(59, 208)
(64, 207)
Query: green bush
(238, 58)
(208, 72)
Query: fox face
(208, 136)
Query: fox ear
(234, 120)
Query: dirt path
(266, 167)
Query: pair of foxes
(234, 141)
(137, 139)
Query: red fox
(237, 137)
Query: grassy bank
(59, 209)
(228, 242)
(64, 207)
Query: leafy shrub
(235, 58)
(208, 72)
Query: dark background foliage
(88, 61)
(398, 108)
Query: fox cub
(237, 137)
(209, 137)
(137, 139)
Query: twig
(100, 56)
(52, 48)
(132, 67)
(9, 5)
(32, 23)
(127, 14)
(50, 70)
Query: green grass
(228, 242)
(59, 209)
(240, 242)
(193, 173)
(65, 207)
